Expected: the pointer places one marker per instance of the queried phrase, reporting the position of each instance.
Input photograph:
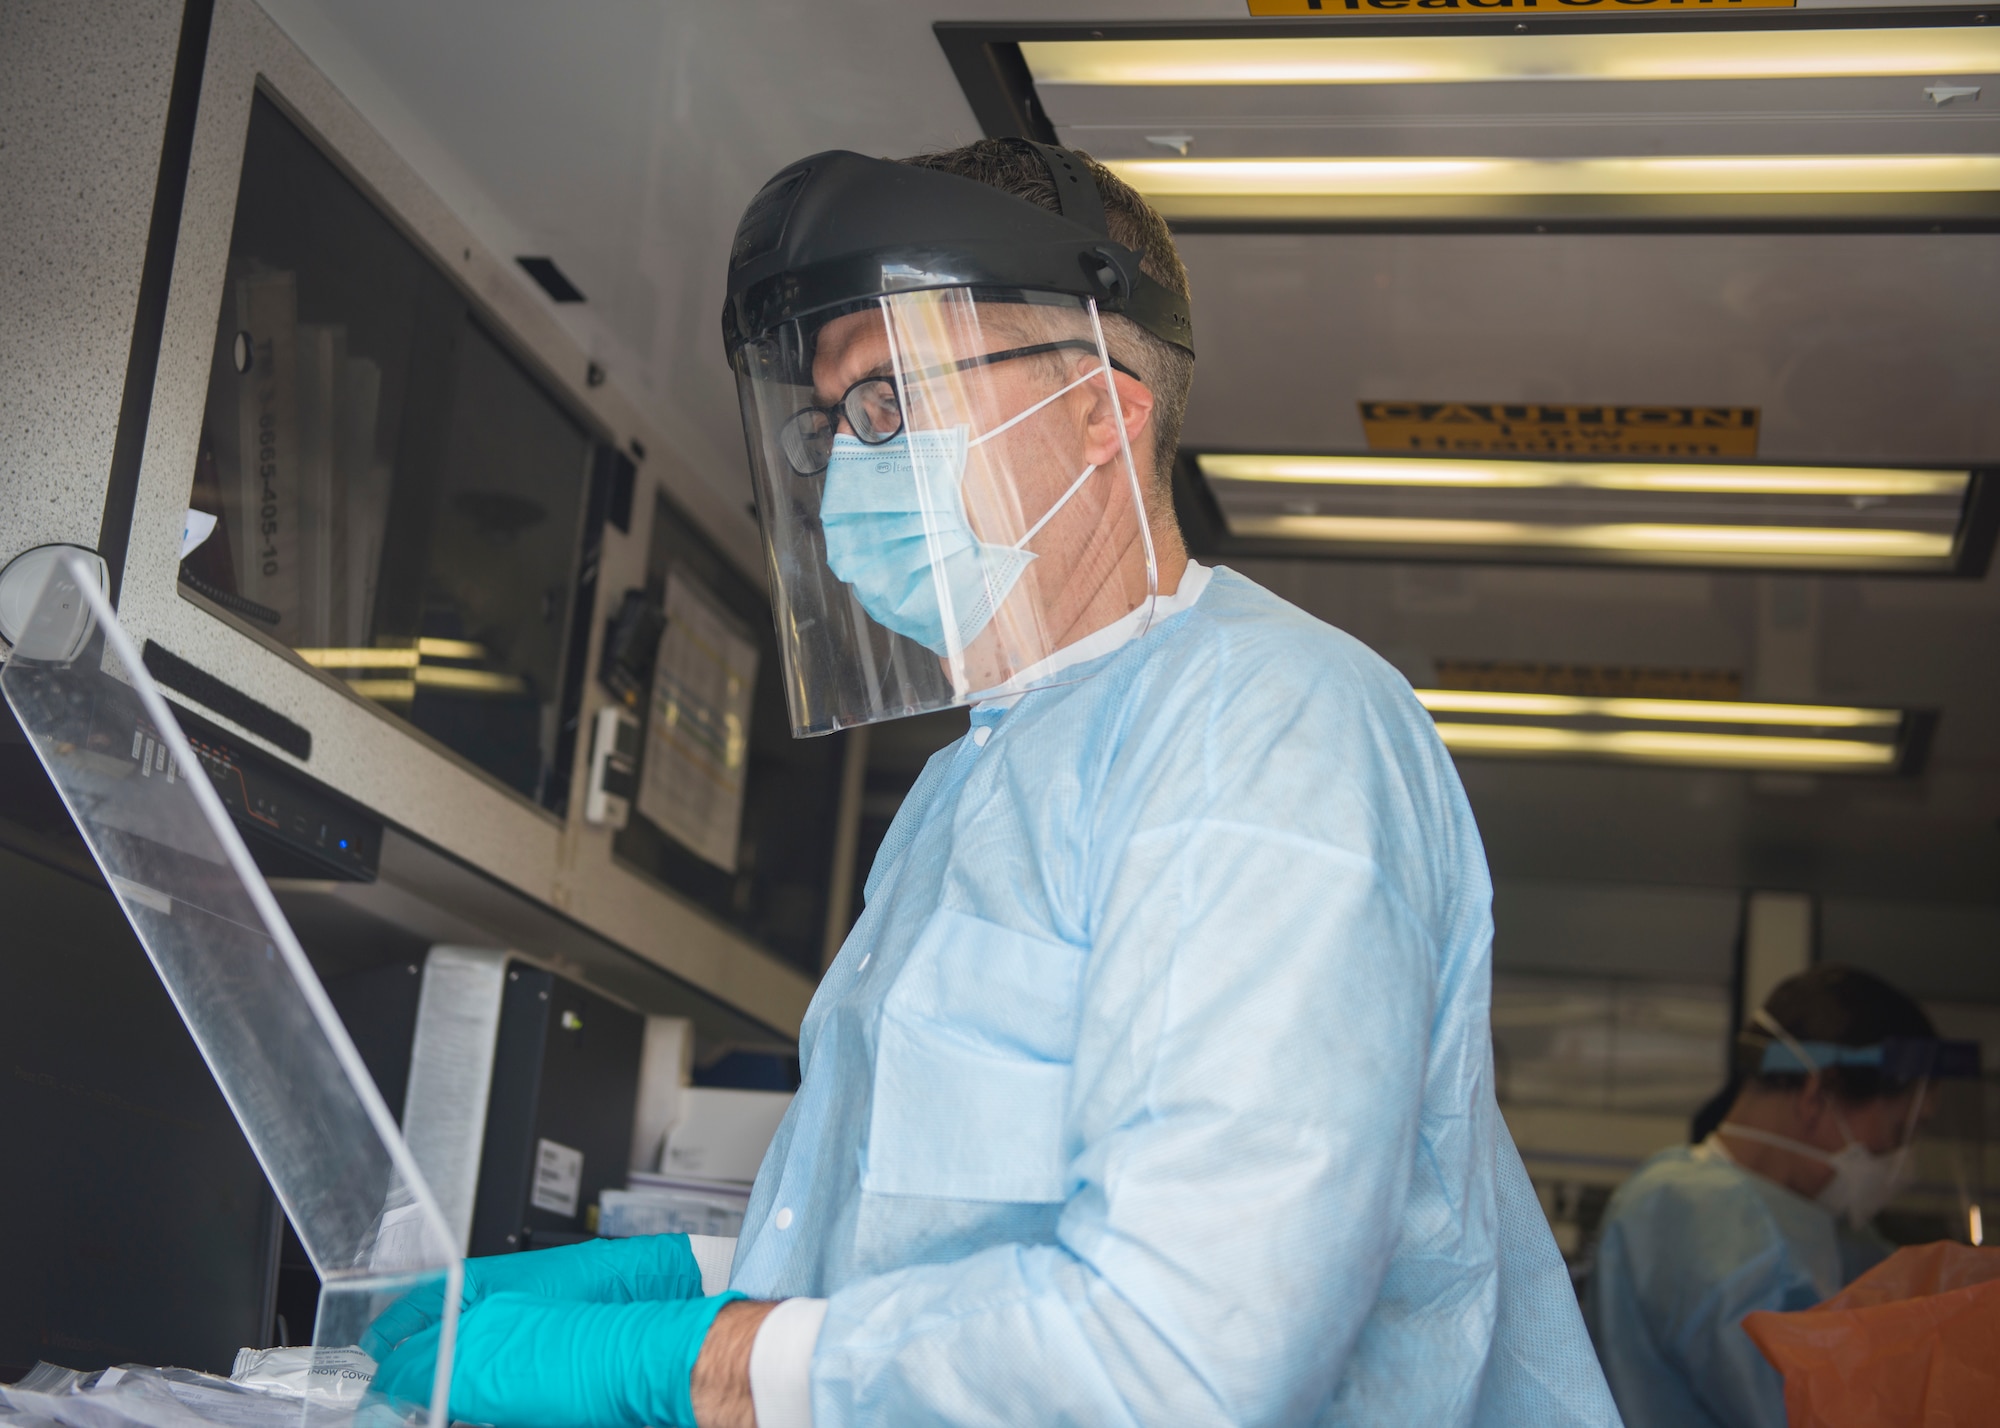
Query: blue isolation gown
(1692, 1243)
(1154, 1085)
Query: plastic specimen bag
(142, 799)
(135, 1396)
(1914, 1341)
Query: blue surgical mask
(897, 533)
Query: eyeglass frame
(836, 411)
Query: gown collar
(1099, 643)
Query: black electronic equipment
(630, 641)
(559, 1096)
(294, 828)
(559, 1121)
(140, 1228)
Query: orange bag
(1915, 1341)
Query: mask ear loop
(1050, 514)
(1771, 1024)
(1762, 1018)
(1139, 511)
(1022, 416)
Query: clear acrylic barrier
(144, 804)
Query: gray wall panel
(1611, 930)
(1934, 951)
(83, 103)
(357, 750)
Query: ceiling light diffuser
(1684, 477)
(1929, 53)
(1685, 711)
(1662, 543)
(1246, 181)
(1719, 512)
(1664, 746)
(1708, 733)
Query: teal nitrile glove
(524, 1362)
(646, 1267)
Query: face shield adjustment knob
(1104, 270)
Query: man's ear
(1135, 404)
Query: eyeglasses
(873, 413)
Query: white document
(723, 1133)
(558, 1177)
(666, 1066)
(451, 1074)
(698, 735)
(196, 528)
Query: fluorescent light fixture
(1741, 735)
(1646, 54)
(1670, 746)
(367, 657)
(1166, 180)
(1717, 512)
(402, 690)
(1691, 711)
(431, 648)
(469, 681)
(1601, 476)
(358, 657)
(1690, 544)
(463, 681)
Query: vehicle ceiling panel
(1856, 347)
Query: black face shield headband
(839, 229)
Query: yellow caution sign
(1475, 7)
(1558, 429)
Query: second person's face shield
(949, 497)
(1948, 1134)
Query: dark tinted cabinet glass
(397, 498)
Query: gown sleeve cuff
(781, 1363)
(713, 1256)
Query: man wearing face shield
(1772, 1209)
(1154, 1084)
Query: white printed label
(196, 528)
(558, 1178)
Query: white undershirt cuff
(781, 1363)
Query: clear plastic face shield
(1918, 1148)
(1950, 1141)
(143, 799)
(950, 498)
